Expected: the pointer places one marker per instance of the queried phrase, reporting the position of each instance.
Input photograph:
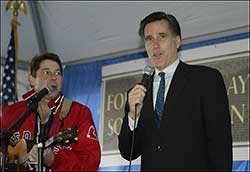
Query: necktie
(159, 106)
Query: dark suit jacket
(195, 131)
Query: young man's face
(160, 44)
(50, 74)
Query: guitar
(18, 153)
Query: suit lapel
(148, 109)
(177, 84)
(150, 92)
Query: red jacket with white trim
(82, 155)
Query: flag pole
(15, 6)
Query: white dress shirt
(169, 73)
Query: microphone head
(49, 88)
(36, 97)
(148, 70)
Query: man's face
(48, 74)
(160, 44)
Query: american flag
(8, 89)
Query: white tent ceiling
(91, 30)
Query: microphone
(38, 96)
(147, 72)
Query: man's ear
(31, 79)
(178, 41)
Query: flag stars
(8, 92)
(5, 97)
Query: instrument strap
(65, 110)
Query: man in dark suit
(183, 120)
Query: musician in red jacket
(56, 113)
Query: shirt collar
(169, 70)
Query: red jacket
(83, 155)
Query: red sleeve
(11, 114)
(85, 154)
